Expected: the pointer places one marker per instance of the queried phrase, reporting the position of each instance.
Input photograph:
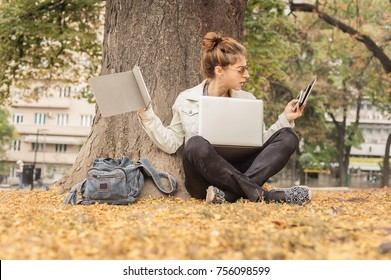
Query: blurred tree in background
(7, 133)
(48, 40)
(290, 43)
(352, 43)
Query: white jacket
(184, 123)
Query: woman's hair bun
(211, 40)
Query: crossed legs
(203, 166)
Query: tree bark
(164, 39)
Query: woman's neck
(216, 89)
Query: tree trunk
(351, 136)
(340, 128)
(164, 39)
(343, 168)
(386, 163)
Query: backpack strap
(72, 196)
(157, 175)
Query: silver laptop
(233, 126)
(120, 92)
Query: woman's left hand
(292, 114)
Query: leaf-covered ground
(335, 225)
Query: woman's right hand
(292, 114)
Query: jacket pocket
(189, 118)
(190, 111)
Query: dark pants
(203, 167)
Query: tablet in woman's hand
(303, 96)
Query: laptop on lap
(233, 126)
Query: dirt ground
(351, 225)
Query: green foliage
(273, 43)
(7, 131)
(287, 51)
(48, 40)
(307, 160)
(346, 69)
(281, 62)
(346, 62)
(269, 39)
(355, 137)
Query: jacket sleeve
(280, 123)
(169, 138)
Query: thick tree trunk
(164, 39)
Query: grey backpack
(118, 181)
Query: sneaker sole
(210, 195)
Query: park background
(50, 48)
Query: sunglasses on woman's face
(241, 69)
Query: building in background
(375, 127)
(51, 131)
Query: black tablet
(303, 96)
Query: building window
(86, 120)
(61, 148)
(62, 119)
(17, 118)
(37, 146)
(65, 92)
(40, 118)
(15, 145)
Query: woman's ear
(218, 71)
